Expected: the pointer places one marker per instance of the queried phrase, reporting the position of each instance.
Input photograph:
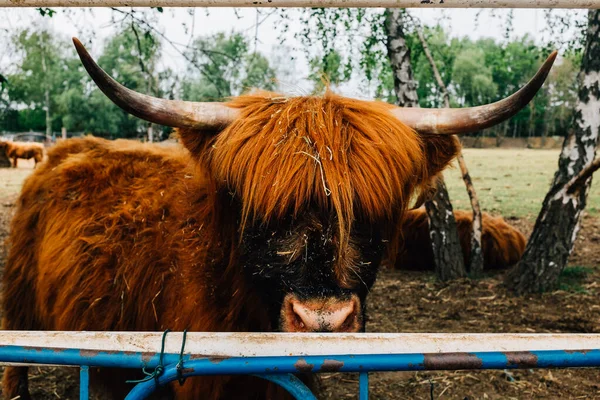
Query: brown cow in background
(24, 150)
(502, 244)
(275, 218)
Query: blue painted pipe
(363, 386)
(115, 359)
(364, 363)
(289, 382)
(84, 382)
(295, 364)
(273, 368)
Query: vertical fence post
(84, 382)
(363, 386)
(150, 133)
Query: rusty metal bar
(309, 3)
(277, 365)
(294, 364)
(371, 363)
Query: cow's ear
(439, 152)
(197, 141)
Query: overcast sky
(178, 23)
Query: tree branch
(436, 73)
(139, 46)
(577, 181)
(476, 263)
(159, 33)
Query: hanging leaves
(45, 11)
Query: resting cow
(274, 219)
(16, 150)
(502, 245)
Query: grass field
(511, 182)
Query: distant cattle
(23, 150)
(4, 160)
(275, 218)
(502, 244)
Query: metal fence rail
(277, 356)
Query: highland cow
(502, 244)
(274, 218)
(16, 150)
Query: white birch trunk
(557, 225)
(445, 243)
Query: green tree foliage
(219, 66)
(486, 70)
(562, 94)
(350, 44)
(49, 66)
(347, 40)
(86, 109)
(131, 58)
(222, 66)
(474, 71)
(39, 78)
(472, 80)
(45, 11)
(328, 71)
(445, 52)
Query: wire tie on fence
(159, 368)
(179, 365)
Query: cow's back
(502, 244)
(99, 241)
(26, 150)
(91, 239)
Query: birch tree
(557, 224)
(445, 243)
(476, 262)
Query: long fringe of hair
(345, 156)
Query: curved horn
(454, 121)
(180, 114)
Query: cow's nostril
(349, 322)
(303, 317)
(298, 321)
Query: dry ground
(413, 302)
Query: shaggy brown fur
(16, 150)
(124, 236)
(502, 244)
(347, 157)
